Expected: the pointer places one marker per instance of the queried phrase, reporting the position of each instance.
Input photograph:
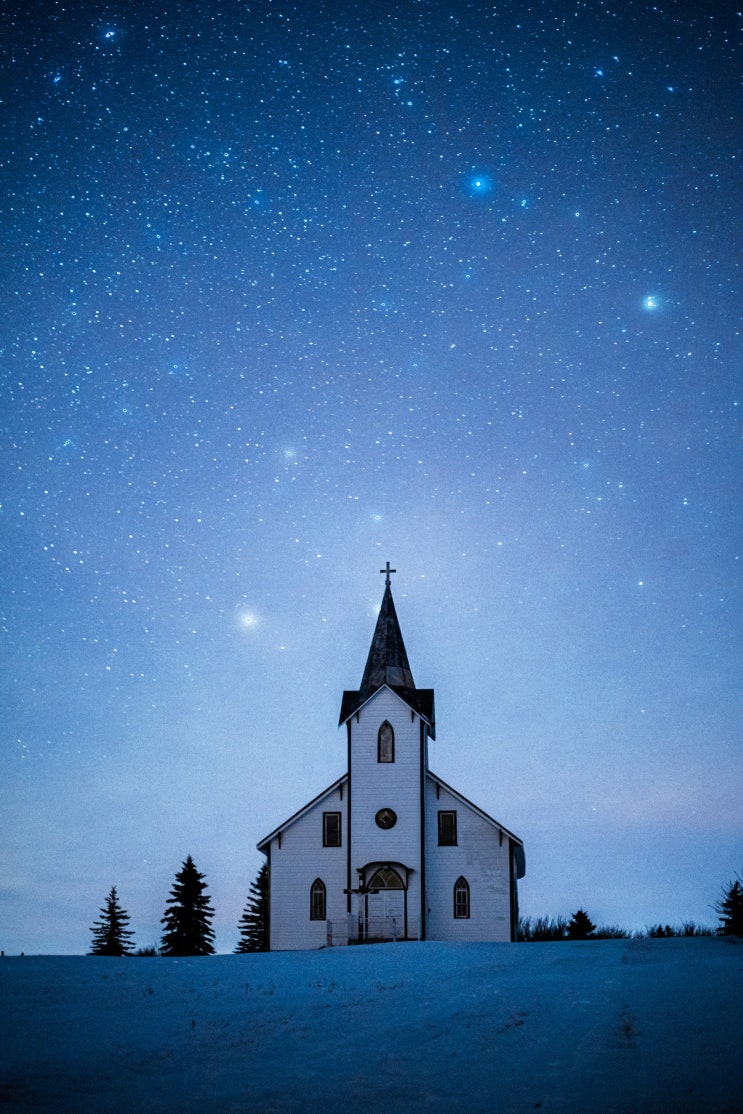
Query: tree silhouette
(187, 923)
(581, 926)
(110, 934)
(730, 910)
(254, 923)
(542, 929)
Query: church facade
(389, 851)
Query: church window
(331, 829)
(317, 900)
(386, 879)
(447, 828)
(461, 899)
(386, 743)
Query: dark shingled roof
(387, 664)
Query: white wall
(482, 858)
(295, 866)
(395, 785)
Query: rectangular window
(331, 829)
(447, 829)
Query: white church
(389, 851)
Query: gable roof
(387, 665)
(516, 843)
(263, 845)
(419, 700)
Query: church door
(386, 908)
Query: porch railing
(351, 930)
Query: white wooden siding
(482, 856)
(395, 785)
(295, 865)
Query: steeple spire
(387, 663)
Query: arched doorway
(386, 905)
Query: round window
(386, 818)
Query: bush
(541, 929)
(688, 928)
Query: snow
(610, 1026)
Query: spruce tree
(110, 933)
(187, 922)
(254, 923)
(581, 926)
(730, 910)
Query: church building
(389, 851)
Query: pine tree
(254, 923)
(110, 933)
(730, 910)
(581, 926)
(187, 923)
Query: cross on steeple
(387, 571)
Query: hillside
(611, 1026)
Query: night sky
(291, 289)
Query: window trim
(453, 841)
(318, 901)
(461, 899)
(379, 743)
(326, 832)
(385, 875)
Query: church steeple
(387, 664)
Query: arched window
(386, 743)
(386, 879)
(461, 899)
(317, 900)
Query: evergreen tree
(730, 910)
(581, 926)
(110, 933)
(254, 923)
(187, 922)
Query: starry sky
(290, 289)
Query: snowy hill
(607, 1026)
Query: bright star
(246, 620)
(651, 302)
(480, 184)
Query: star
(480, 184)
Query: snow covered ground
(606, 1026)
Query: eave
(263, 845)
(516, 843)
(419, 701)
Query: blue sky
(291, 293)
